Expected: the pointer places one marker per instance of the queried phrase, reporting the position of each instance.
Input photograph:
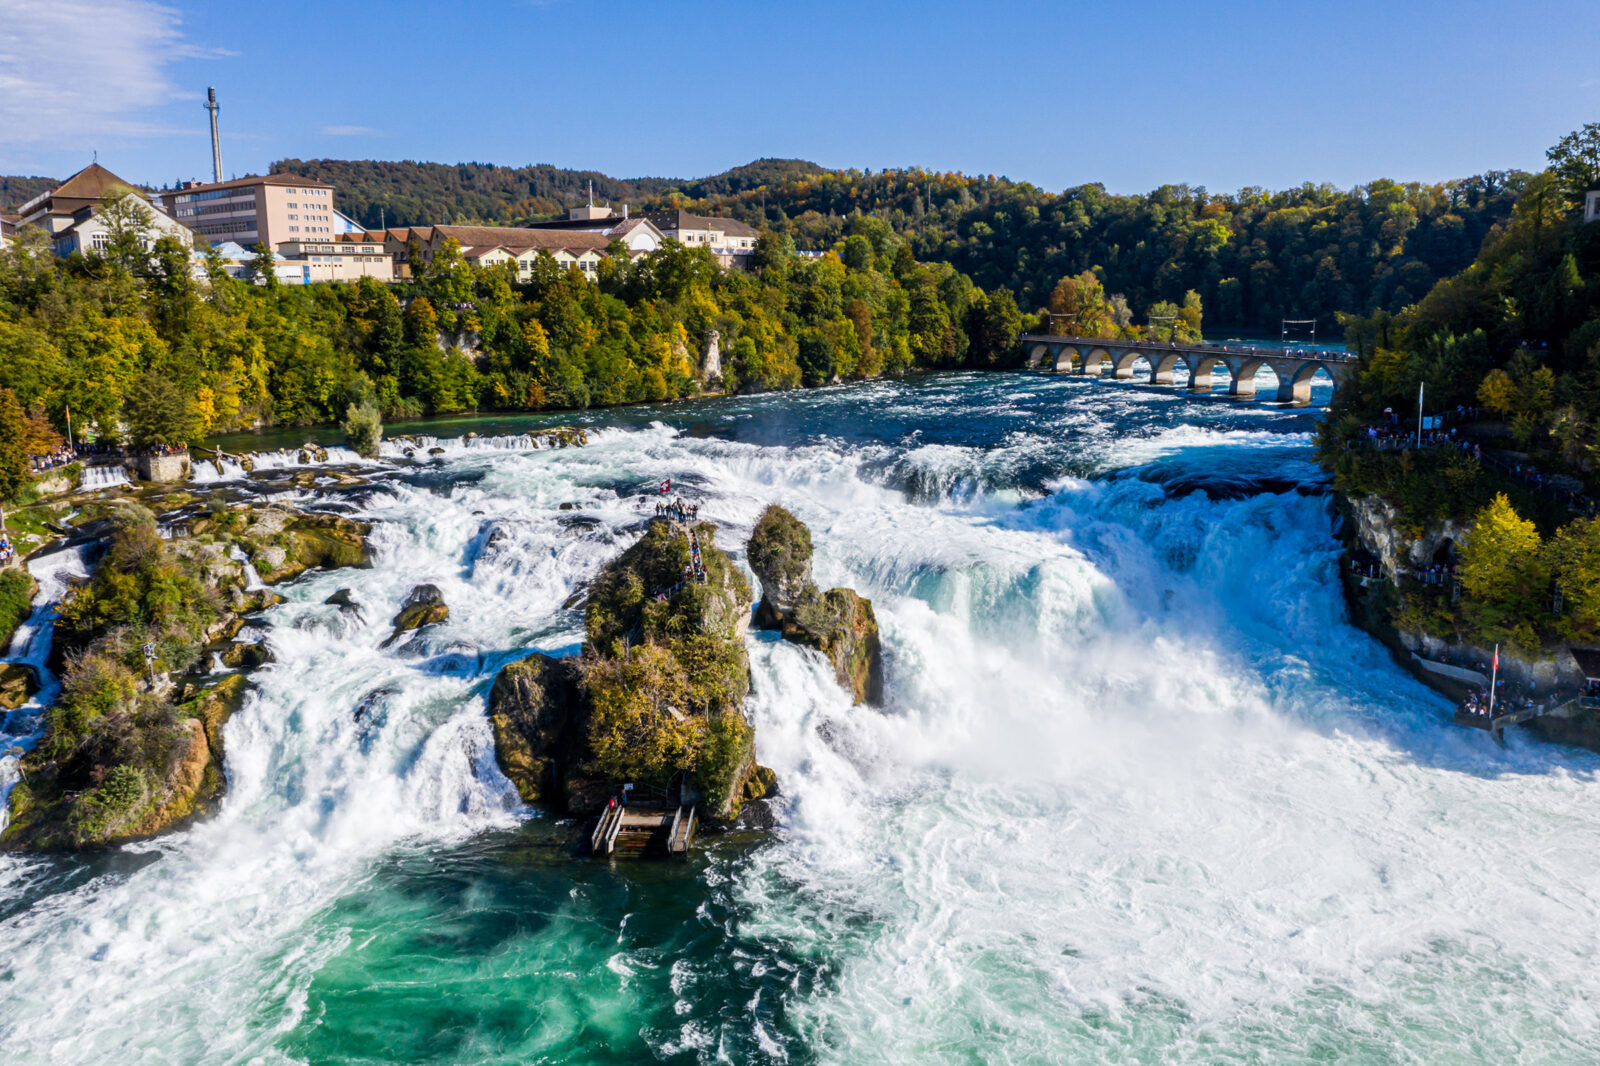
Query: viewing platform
(1293, 367)
(644, 827)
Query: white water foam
(1138, 792)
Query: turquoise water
(1138, 793)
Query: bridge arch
(1243, 372)
(1066, 359)
(1294, 385)
(1162, 364)
(1037, 354)
(1123, 360)
(1095, 361)
(1200, 367)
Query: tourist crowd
(683, 512)
(8, 551)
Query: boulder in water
(842, 626)
(533, 707)
(779, 550)
(424, 606)
(342, 598)
(838, 623)
(17, 685)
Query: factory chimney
(216, 145)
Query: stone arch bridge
(1293, 367)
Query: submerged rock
(342, 598)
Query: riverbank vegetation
(135, 348)
(1508, 351)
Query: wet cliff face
(1380, 530)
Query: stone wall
(162, 467)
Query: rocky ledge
(133, 747)
(657, 696)
(838, 623)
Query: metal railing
(1321, 354)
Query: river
(1138, 794)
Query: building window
(294, 229)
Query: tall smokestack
(216, 145)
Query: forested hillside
(407, 193)
(16, 190)
(1253, 256)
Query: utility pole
(216, 145)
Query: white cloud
(76, 69)
(348, 131)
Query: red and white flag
(1496, 665)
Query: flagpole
(1494, 673)
(69, 428)
(1420, 386)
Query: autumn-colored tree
(1504, 575)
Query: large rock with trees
(133, 747)
(838, 623)
(657, 696)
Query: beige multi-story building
(347, 257)
(249, 211)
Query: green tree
(1575, 159)
(14, 470)
(1574, 555)
(263, 268)
(158, 412)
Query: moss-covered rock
(283, 542)
(17, 590)
(17, 685)
(657, 697)
(842, 626)
(838, 623)
(779, 550)
(51, 810)
(423, 606)
(532, 707)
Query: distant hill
(16, 190)
(408, 193)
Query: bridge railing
(1322, 354)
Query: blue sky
(1131, 94)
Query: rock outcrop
(779, 551)
(131, 756)
(657, 697)
(17, 685)
(838, 623)
(283, 542)
(129, 804)
(423, 606)
(842, 626)
(533, 707)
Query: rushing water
(1139, 793)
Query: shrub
(363, 429)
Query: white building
(731, 241)
(72, 213)
(1591, 206)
